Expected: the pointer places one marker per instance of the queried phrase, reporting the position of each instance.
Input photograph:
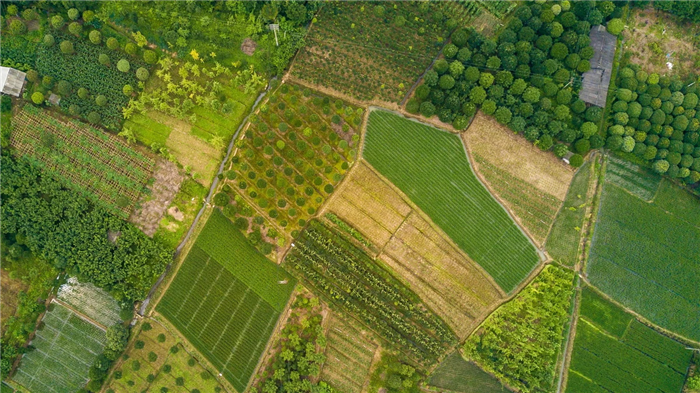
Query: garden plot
(91, 301)
(431, 167)
(98, 164)
(644, 255)
(156, 360)
(226, 299)
(615, 353)
(152, 206)
(349, 356)
(532, 183)
(371, 51)
(289, 160)
(65, 348)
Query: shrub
(427, 108)
(57, 22)
(130, 48)
(135, 365)
(142, 73)
(180, 381)
(103, 59)
(150, 57)
(123, 65)
(64, 88)
(37, 98)
(101, 100)
(615, 26)
(75, 28)
(127, 90)
(446, 82)
(576, 160)
(112, 43)
(95, 37)
(67, 48)
(17, 27)
(88, 16)
(582, 146)
(73, 14)
(152, 357)
(94, 117)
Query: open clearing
(166, 184)
(171, 363)
(432, 168)
(226, 299)
(531, 182)
(458, 375)
(10, 296)
(615, 353)
(96, 163)
(450, 283)
(66, 347)
(349, 356)
(645, 256)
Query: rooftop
(594, 88)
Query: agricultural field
(291, 157)
(498, 8)
(181, 212)
(90, 301)
(644, 254)
(451, 284)
(521, 341)
(372, 52)
(11, 289)
(349, 354)
(565, 236)
(349, 279)
(227, 303)
(431, 167)
(455, 374)
(530, 182)
(99, 165)
(65, 348)
(156, 359)
(613, 352)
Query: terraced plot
(349, 356)
(431, 167)
(645, 256)
(65, 348)
(226, 299)
(638, 360)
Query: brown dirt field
(189, 150)
(10, 289)
(646, 29)
(523, 160)
(153, 205)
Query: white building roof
(11, 81)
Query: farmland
(458, 375)
(424, 162)
(448, 282)
(644, 254)
(615, 353)
(93, 302)
(527, 331)
(226, 304)
(66, 347)
(372, 51)
(95, 163)
(172, 366)
(349, 279)
(290, 159)
(563, 241)
(531, 182)
(349, 355)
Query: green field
(638, 360)
(458, 375)
(432, 168)
(65, 348)
(645, 255)
(563, 241)
(226, 299)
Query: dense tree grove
(527, 78)
(658, 120)
(76, 235)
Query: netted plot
(65, 348)
(91, 301)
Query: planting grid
(97, 163)
(637, 360)
(644, 255)
(66, 347)
(91, 301)
(431, 167)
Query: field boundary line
(565, 362)
(79, 314)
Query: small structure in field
(11, 81)
(594, 88)
(54, 99)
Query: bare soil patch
(248, 46)
(652, 35)
(10, 288)
(167, 179)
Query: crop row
(633, 178)
(349, 278)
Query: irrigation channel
(206, 203)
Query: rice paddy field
(226, 299)
(644, 254)
(65, 348)
(455, 374)
(431, 167)
(613, 352)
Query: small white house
(11, 81)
